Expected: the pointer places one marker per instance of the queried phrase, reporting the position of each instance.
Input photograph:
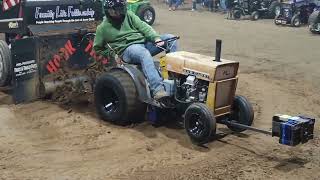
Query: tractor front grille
(225, 91)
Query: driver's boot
(161, 94)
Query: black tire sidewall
(314, 16)
(110, 82)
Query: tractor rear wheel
(199, 123)
(5, 64)
(147, 14)
(116, 98)
(313, 20)
(274, 9)
(242, 113)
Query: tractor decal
(67, 51)
(64, 53)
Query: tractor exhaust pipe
(218, 50)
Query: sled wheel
(199, 123)
(147, 14)
(242, 113)
(116, 98)
(5, 64)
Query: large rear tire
(5, 64)
(199, 123)
(313, 20)
(116, 98)
(274, 9)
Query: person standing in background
(176, 4)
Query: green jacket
(132, 31)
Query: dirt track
(278, 73)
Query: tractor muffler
(218, 50)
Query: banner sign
(60, 14)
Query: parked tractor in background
(296, 12)
(256, 9)
(143, 9)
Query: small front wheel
(255, 16)
(295, 21)
(276, 20)
(237, 14)
(242, 113)
(147, 14)
(199, 123)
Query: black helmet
(118, 7)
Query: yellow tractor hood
(202, 66)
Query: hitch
(291, 130)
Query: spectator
(208, 3)
(229, 6)
(176, 4)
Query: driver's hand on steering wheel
(159, 42)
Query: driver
(133, 40)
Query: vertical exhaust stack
(218, 50)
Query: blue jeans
(142, 54)
(177, 3)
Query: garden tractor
(296, 12)
(256, 9)
(202, 91)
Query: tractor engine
(191, 89)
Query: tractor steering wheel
(166, 47)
